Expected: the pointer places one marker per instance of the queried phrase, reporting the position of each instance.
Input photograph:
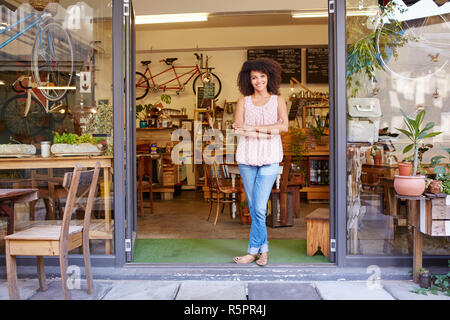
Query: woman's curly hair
(265, 65)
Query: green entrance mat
(218, 251)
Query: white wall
(227, 49)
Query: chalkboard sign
(290, 60)
(208, 90)
(317, 65)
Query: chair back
(144, 165)
(210, 181)
(221, 175)
(79, 183)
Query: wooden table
(8, 197)
(104, 231)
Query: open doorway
(172, 224)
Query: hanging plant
(363, 56)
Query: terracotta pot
(435, 186)
(245, 215)
(404, 168)
(296, 178)
(377, 160)
(409, 185)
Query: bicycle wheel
(198, 81)
(12, 115)
(414, 49)
(52, 61)
(141, 85)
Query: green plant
(439, 283)
(143, 111)
(362, 56)
(441, 170)
(297, 145)
(73, 138)
(416, 133)
(318, 129)
(243, 204)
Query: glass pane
(55, 87)
(397, 69)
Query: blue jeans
(258, 182)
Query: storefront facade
(362, 231)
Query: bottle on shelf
(312, 173)
(319, 172)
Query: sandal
(248, 258)
(263, 259)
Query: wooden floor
(184, 217)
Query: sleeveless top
(256, 151)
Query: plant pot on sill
(404, 168)
(409, 185)
(143, 124)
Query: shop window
(56, 109)
(397, 67)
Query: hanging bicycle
(29, 112)
(52, 58)
(145, 82)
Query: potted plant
(376, 154)
(441, 182)
(297, 149)
(100, 125)
(73, 144)
(146, 111)
(244, 213)
(413, 185)
(424, 278)
(318, 131)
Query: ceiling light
(169, 18)
(324, 13)
(57, 88)
(2, 83)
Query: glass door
(130, 123)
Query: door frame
(130, 123)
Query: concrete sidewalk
(225, 290)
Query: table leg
(11, 273)
(106, 191)
(417, 244)
(233, 195)
(8, 209)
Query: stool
(318, 232)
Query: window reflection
(406, 68)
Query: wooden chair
(144, 169)
(56, 240)
(221, 188)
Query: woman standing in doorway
(261, 115)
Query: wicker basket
(41, 4)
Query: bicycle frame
(195, 70)
(29, 89)
(36, 23)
